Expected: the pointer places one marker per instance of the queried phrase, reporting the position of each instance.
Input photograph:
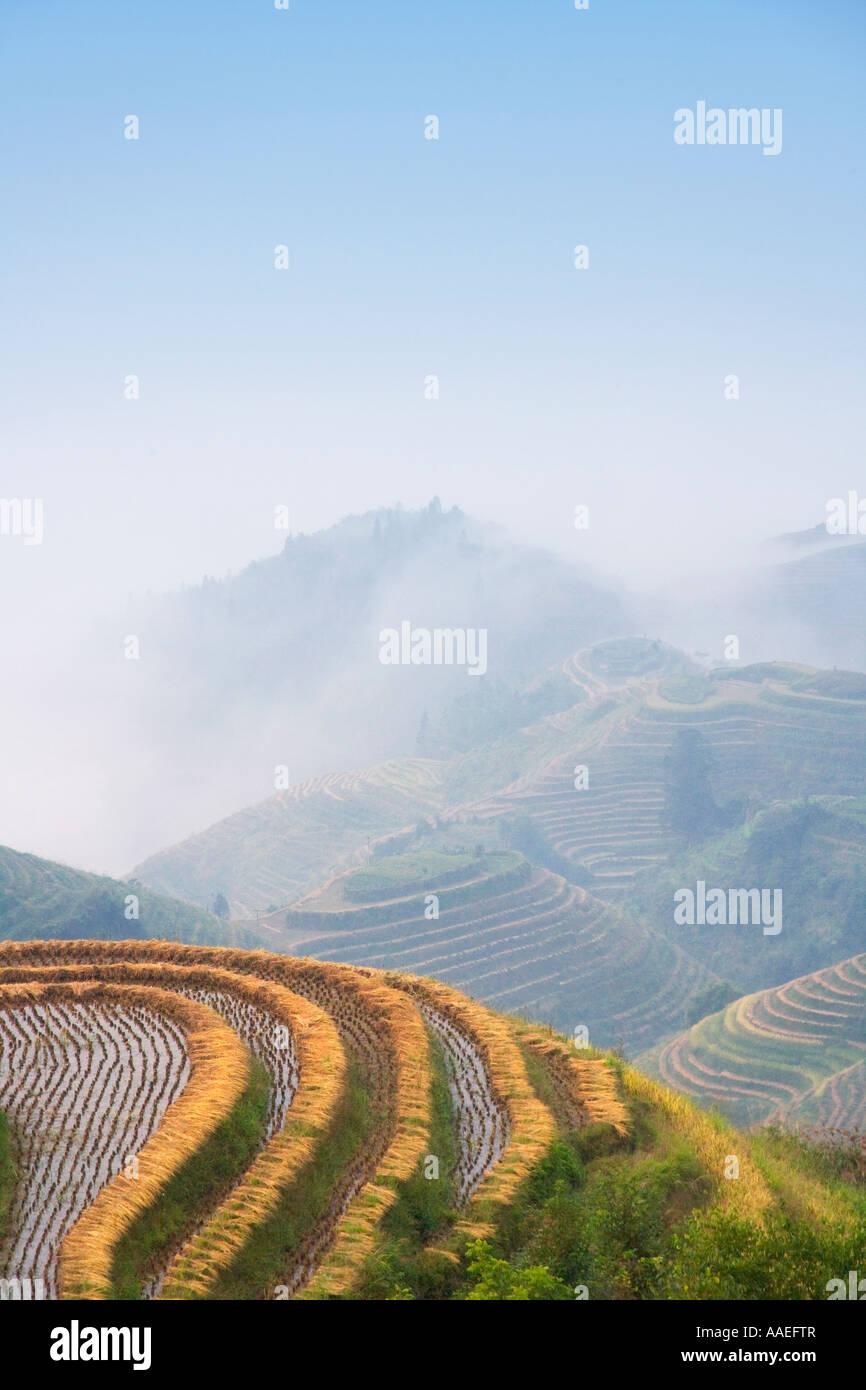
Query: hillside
(819, 593)
(313, 1131)
(515, 937)
(774, 731)
(795, 1053)
(770, 732)
(281, 663)
(659, 775)
(812, 852)
(40, 899)
(270, 853)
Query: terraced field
(620, 661)
(776, 736)
(127, 1064)
(191, 1122)
(580, 932)
(523, 941)
(793, 1054)
(317, 1031)
(269, 854)
(544, 947)
(822, 591)
(775, 731)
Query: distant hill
(824, 594)
(516, 937)
(278, 667)
(43, 900)
(659, 774)
(813, 852)
(796, 1053)
(796, 597)
(813, 538)
(272, 852)
(773, 731)
(269, 854)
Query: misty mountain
(273, 675)
(799, 597)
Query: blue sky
(410, 257)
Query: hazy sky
(410, 257)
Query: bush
(719, 1255)
(496, 1280)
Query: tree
(497, 1280)
(691, 805)
(220, 906)
(710, 1000)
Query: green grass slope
(41, 899)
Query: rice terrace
(410, 1081)
(433, 738)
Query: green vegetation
(691, 806)
(650, 1217)
(685, 690)
(41, 899)
(709, 1000)
(595, 1215)
(197, 1187)
(491, 710)
(815, 1231)
(407, 873)
(498, 1281)
(796, 1051)
(267, 1256)
(719, 1255)
(403, 1263)
(398, 894)
(522, 833)
(813, 851)
(653, 1218)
